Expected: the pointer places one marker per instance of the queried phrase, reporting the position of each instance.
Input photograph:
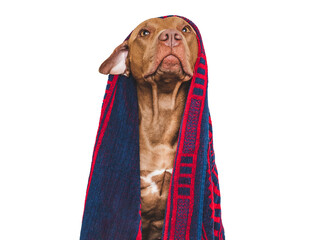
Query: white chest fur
(151, 181)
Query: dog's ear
(117, 62)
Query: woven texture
(112, 206)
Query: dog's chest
(154, 189)
(155, 175)
(154, 194)
(156, 165)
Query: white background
(263, 59)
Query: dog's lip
(156, 69)
(170, 56)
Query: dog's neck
(160, 111)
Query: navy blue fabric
(113, 201)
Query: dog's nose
(170, 37)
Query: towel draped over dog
(112, 206)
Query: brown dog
(160, 54)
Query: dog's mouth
(170, 67)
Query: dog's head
(158, 50)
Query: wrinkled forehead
(159, 24)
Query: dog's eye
(144, 33)
(185, 29)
